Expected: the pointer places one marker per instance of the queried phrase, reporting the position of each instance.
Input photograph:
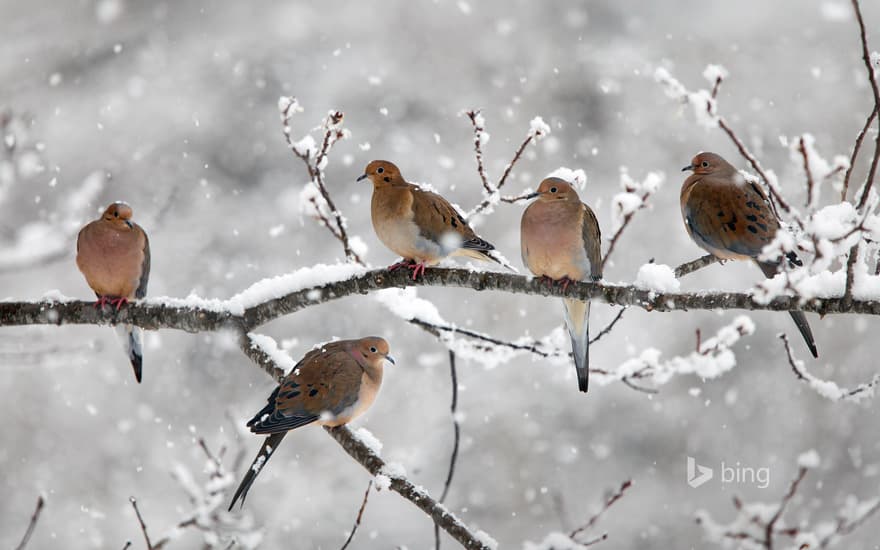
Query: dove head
(381, 172)
(371, 352)
(556, 189)
(710, 163)
(118, 214)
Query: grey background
(184, 117)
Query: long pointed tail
(800, 320)
(132, 338)
(577, 321)
(266, 451)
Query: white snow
(306, 277)
(713, 72)
(809, 459)
(658, 278)
(268, 346)
(486, 539)
(538, 128)
(369, 440)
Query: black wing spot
(290, 394)
(731, 225)
(763, 226)
(752, 218)
(452, 221)
(313, 393)
(721, 213)
(753, 205)
(752, 228)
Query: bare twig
(872, 79)
(694, 265)
(855, 152)
(626, 219)
(517, 198)
(127, 545)
(792, 489)
(32, 524)
(141, 521)
(609, 502)
(802, 148)
(456, 428)
(357, 521)
(608, 327)
(716, 86)
(476, 121)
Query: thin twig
(127, 545)
(617, 495)
(608, 327)
(614, 238)
(141, 521)
(810, 200)
(872, 79)
(456, 428)
(357, 521)
(792, 489)
(694, 265)
(522, 197)
(32, 524)
(716, 86)
(478, 149)
(855, 152)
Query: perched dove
(731, 218)
(330, 386)
(419, 225)
(559, 237)
(113, 254)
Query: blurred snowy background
(176, 103)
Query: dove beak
(688, 167)
(532, 195)
(391, 359)
(129, 224)
(361, 177)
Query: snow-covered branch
(288, 296)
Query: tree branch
(357, 521)
(872, 79)
(456, 438)
(374, 464)
(32, 524)
(166, 314)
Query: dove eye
(116, 214)
(704, 164)
(380, 170)
(373, 349)
(553, 189)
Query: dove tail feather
(133, 340)
(577, 321)
(800, 320)
(269, 447)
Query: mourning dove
(113, 254)
(560, 241)
(330, 386)
(419, 225)
(731, 218)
